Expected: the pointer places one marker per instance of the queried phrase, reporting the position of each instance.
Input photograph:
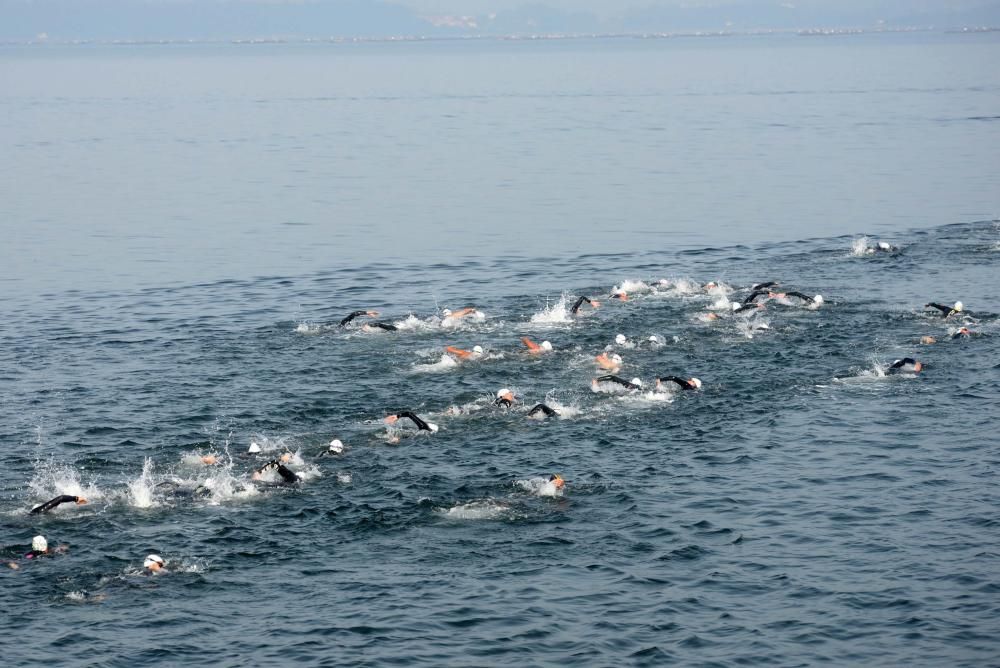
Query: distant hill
(143, 20)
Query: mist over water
(184, 227)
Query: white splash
(539, 487)
(51, 480)
(446, 363)
(140, 490)
(861, 247)
(553, 314)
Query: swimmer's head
(477, 350)
(616, 358)
(652, 339)
(39, 544)
(336, 446)
(963, 331)
(153, 563)
(433, 427)
(818, 299)
(254, 448)
(636, 381)
(884, 246)
(446, 312)
(391, 419)
(696, 383)
(506, 394)
(733, 305)
(546, 346)
(620, 339)
(711, 285)
(285, 457)
(371, 314)
(917, 366)
(619, 295)
(557, 480)
(958, 306)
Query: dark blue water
(169, 282)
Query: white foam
(477, 510)
(446, 363)
(553, 314)
(413, 323)
(630, 287)
(344, 478)
(51, 480)
(539, 487)
(309, 329)
(722, 304)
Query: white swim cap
(254, 448)
(818, 299)
(958, 306)
(697, 383)
(446, 312)
(336, 446)
(637, 381)
(616, 358)
(546, 345)
(477, 349)
(653, 339)
(734, 305)
(433, 427)
(620, 339)
(39, 544)
(502, 392)
(883, 245)
(152, 559)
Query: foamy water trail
(445, 363)
(860, 247)
(476, 510)
(539, 487)
(51, 480)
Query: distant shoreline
(800, 32)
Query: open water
(183, 226)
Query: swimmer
(620, 295)
(534, 348)
(504, 398)
(336, 447)
(812, 301)
(40, 548)
(905, 365)
(552, 486)
(379, 326)
(579, 302)
(632, 385)
(346, 321)
(962, 332)
(460, 355)
(154, 564)
(421, 425)
(882, 247)
(761, 286)
(545, 411)
(946, 311)
(684, 384)
(287, 475)
(52, 503)
(612, 362)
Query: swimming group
(752, 301)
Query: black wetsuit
(947, 311)
(579, 303)
(684, 384)
(805, 298)
(542, 408)
(761, 286)
(345, 321)
(619, 380)
(753, 295)
(746, 306)
(416, 420)
(899, 364)
(384, 325)
(287, 475)
(49, 505)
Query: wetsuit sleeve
(903, 362)
(351, 317)
(946, 310)
(674, 379)
(286, 474)
(383, 325)
(801, 296)
(753, 295)
(413, 418)
(745, 306)
(49, 505)
(542, 408)
(578, 304)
